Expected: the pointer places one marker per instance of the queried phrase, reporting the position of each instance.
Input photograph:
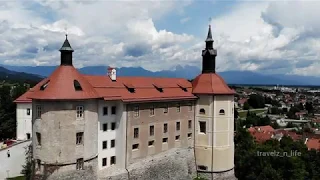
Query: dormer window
(77, 85)
(159, 88)
(45, 85)
(202, 111)
(130, 88)
(221, 112)
(183, 88)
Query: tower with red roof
(214, 118)
(65, 122)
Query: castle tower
(64, 122)
(214, 140)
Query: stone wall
(175, 164)
(69, 172)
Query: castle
(76, 121)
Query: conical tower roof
(65, 83)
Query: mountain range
(188, 72)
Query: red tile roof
(24, 97)
(242, 101)
(262, 136)
(60, 86)
(144, 88)
(265, 129)
(313, 144)
(103, 87)
(210, 83)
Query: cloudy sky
(265, 36)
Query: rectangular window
(79, 111)
(189, 135)
(151, 143)
(203, 168)
(135, 146)
(166, 109)
(164, 140)
(38, 138)
(136, 133)
(113, 143)
(38, 111)
(105, 110)
(165, 128)
(151, 131)
(113, 126)
(152, 110)
(105, 126)
(104, 144)
(177, 138)
(178, 126)
(178, 107)
(136, 111)
(202, 126)
(104, 162)
(113, 160)
(80, 164)
(113, 110)
(190, 124)
(79, 137)
(28, 112)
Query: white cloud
(257, 35)
(268, 36)
(121, 33)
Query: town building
(81, 121)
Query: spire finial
(209, 36)
(66, 31)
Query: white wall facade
(24, 120)
(119, 134)
(214, 149)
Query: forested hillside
(12, 85)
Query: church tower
(214, 119)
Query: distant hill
(188, 72)
(21, 77)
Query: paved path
(11, 167)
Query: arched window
(77, 85)
(221, 112)
(202, 111)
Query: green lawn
(243, 114)
(17, 178)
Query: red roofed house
(101, 121)
(261, 133)
(313, 144)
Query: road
(11, 167)
(252, 110)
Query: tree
(236, 114)
(246, 106)
(27, 168)
(300, 106)
(309, 107)
(292, 112)
(8, 94)
(256, 101)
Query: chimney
(112, 73)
